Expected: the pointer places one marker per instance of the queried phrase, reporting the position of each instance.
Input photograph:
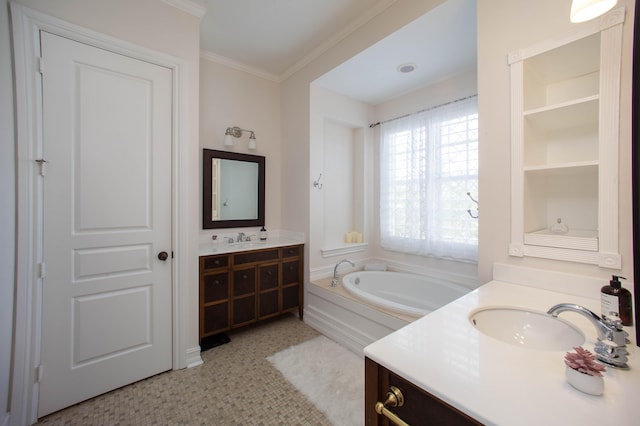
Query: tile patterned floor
(236, 385)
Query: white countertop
(502, 384)
(221, 246)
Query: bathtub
(400, 292)
(357, 320)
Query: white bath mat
(330, 376)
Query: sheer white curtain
(428, 163)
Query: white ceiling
(273, 38)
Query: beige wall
(504, 26)
(229, 97)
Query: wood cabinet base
(238, 289)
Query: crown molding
(223, 60)
(192, 7)
(337, 38)
(315, 53)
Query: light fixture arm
(236, 132)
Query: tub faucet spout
(334, 281)
(612, 339)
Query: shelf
(566, 115)
(563, 169)
(577, 239)
(564, 145)
(567, 61)
(346, 249)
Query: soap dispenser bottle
(615, 301)
(263, 234)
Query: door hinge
(41, 65)
(42, 270)
(43, 166)
(39, 373)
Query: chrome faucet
(612, 339)
(334, 281)
(240, 237)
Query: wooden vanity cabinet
(420, 407)
(238, 289)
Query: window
(428, 164)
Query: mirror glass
(233, 189)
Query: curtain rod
(422, 110)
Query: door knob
(163, 255)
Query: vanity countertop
(222, 246)
(502, 384)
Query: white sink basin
(527, 329)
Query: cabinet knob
(244, 277)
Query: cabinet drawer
(290, 297)
(244, 281)
(213, 262)
(216, 319)
(291, 251)
(216, 287)
(268, 303)
(255, 256)
(290, 272)
(268, 276)
(421, 407)
(244, 310)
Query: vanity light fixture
(585, 10)
(236, 132)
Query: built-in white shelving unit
(565, 96)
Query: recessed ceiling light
(406, 68)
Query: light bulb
(585, 10)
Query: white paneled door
(106, 293)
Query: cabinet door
(290, 297)
(215, 303)
(216, 287)
(244, 296)
(215, 319)
(269, 299)
(268, 276)
(214, 295)
(419, 408)
(290, 272)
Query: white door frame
(26, 25)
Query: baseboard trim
(193, 357)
